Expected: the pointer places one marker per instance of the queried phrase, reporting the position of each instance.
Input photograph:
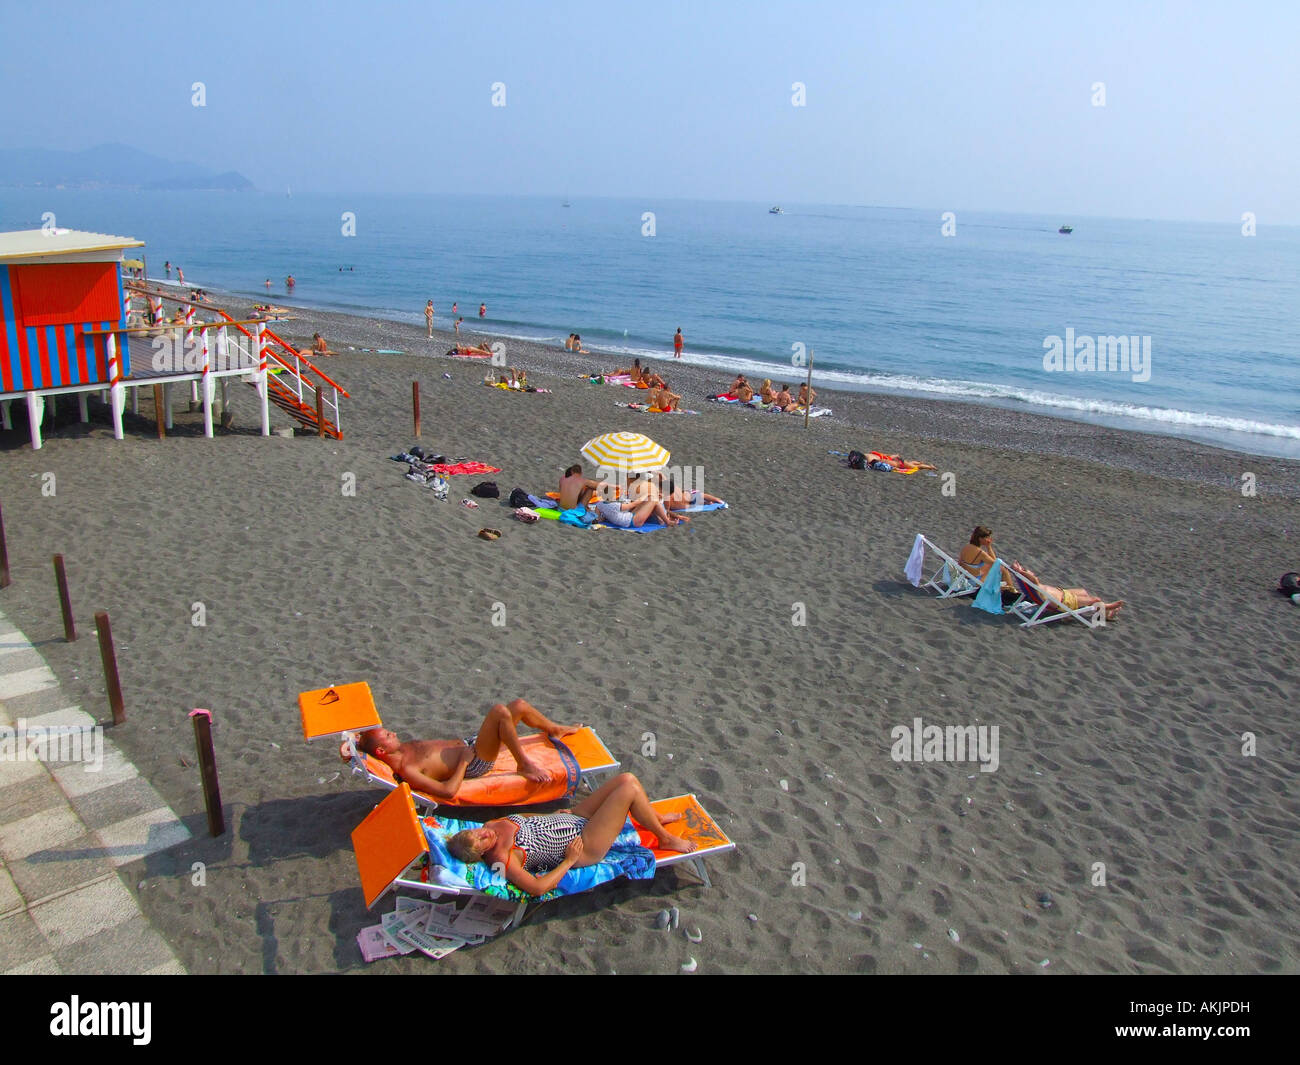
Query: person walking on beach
(482, 310)
(180, 275)
(677, 344)
(428, 317)
(457, 328)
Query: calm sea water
(883, 298)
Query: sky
(949, 106)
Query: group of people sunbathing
(775, 398)
(661, 397)
(646, 497)
(535, 850)
(977, 557)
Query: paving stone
(107, 806)
(56, 869)
(9, 896)
(39, 832)
(20, 941)
(143, 834)
(76, 781)
(45, 965)
(85, 912)
(26, 681)
(131, 947)
(28, 797)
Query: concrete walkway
(65, 829)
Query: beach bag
(857, 460)
(486, 490)
(519, 498)
(527, 515)
(882, 466)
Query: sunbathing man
(651, 379)
(437, 767)
(783, 401)
(577, 490)
(537, 851)
(741, 389)
(1072, 598)
(664, 399)
(804, 399)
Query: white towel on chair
(916, 561)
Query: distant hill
(117, 166)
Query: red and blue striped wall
(37, 352)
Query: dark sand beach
(1120, 746)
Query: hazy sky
(943, 105)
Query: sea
(973, 306)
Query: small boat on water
(776, 210)
(1066, 229)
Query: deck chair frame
(961, 581)
(1036, 607)
(407, 846)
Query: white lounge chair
(1036, 607)
(949, 579)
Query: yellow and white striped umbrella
(630, 451)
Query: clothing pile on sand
(431, 471)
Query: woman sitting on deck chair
(535, 852)
(977, 556)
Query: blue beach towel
(578, 516)
(989, 596)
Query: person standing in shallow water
(677, 344)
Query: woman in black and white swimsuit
(537, 851)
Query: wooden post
(158, 411)
(4, 555)
(208, 770)
(320, 412)
(415, 403)
(109, 657)
(807, 409)
(65, 601)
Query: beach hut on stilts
(67, 326)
